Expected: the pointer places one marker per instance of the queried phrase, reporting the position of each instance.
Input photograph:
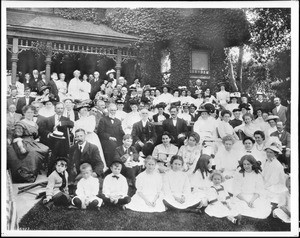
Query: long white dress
(247, 184)
(227, 161)
(88, 123)
(274, 180)
(150, 185)
(207, 129)
(215, 208)
(176, 183)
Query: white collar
(82, 145)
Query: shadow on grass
(114, 219)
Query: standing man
(110, 133)
(24, 101)
(280, 110)
(177, 127)
(95, 85)
(197, 88)
(143, 134)
(260, 103)
(34, 80)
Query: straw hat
(58, 135)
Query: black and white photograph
(149, 118)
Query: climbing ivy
(178, 30)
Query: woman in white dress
(224, 128)
(223, 97)
(248, 127)
(191, 153)
(61, 87)
(233, 102)
(48, 109)
(177, 189)
(131, 117)
(259, 147)
(164, 152)
(248, 190)
(272, 120)
(148, 196)
(273, 174)
(227, 161)
(88, 123)
(86, 87)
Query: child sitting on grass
(57, 187)
(283, 212)
(148, 197)
(219, 204)
(87, 190)
(115, 187)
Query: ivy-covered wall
(178, 30)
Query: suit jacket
(281, 113)
(119, 152)
(22, 102)
(95, 87)
(285, 138)
(90, 154)
(234, 122)
(138, 134)
(181, 127)
(46, 126)
(264, 105)
(41, 83)
(10, 101)
(54, 89)
(155, 117)
(32, 84)
(195, 118)
(108, 129)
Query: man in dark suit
(12, 99)
(24, 101)
(280, 110)
(177, 127)
(84, 152)
(260, 103)
(110, 133)
(33, 80)
(59, 147)
(143, 134)
(197, 88)
(95, 85)
(285, 139)
(194, 114)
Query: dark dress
(25, 167)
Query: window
(200, 62)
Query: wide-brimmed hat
(209, 107)
(43, 88)
(62, 158)
(260, 93)
(161, 105)
(272, 117)
(193, 105)
(119, 101)
(116, 161)
(110, 71)
(274, 148)
(236, 110)
(57, 135)
(49, 98)
(80, 105)
(68, 98)
(202, 109)
(134, 101)
(176, 104)
(245, 106)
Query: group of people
(183, 150)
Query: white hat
(274, 148)
(58, 135)
(110, 71)
(272, 117)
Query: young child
(87, 190)
(148, 196)
(130, 157)
(57, 187)
(177, 188)
(283, 212)
(219, 204)
(115, 187)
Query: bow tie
(14, 97)
(115, 176)
(248, 151)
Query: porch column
(118, 63)
(14, 60)
(48, 60)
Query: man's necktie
(115, 176)
(248, 151)
(68, 114)
(80, 148)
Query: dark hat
(43, 88)
(119, 101)
(132, 88)
(134, 101)
(148, 148)
(49, 98)
(245, 95)
(166, 86)
(209, 107)
(62, 158)
(116, 161)
(202, 109)
(161, 105)
(245, 106)
(193, 105)
(236, 110)
(248, 138)
(145, 100)
(80, 105)
(57, 135)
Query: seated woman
(25, 155)
(88, 123)
(223, 127)
(273, 174)
(248, 128)
(259, 147)
(227, 161)
(272, 120)
(164, 152)
(248, 190)
(177, 189)
(191, 153)
(48, 109)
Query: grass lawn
(115, 219)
